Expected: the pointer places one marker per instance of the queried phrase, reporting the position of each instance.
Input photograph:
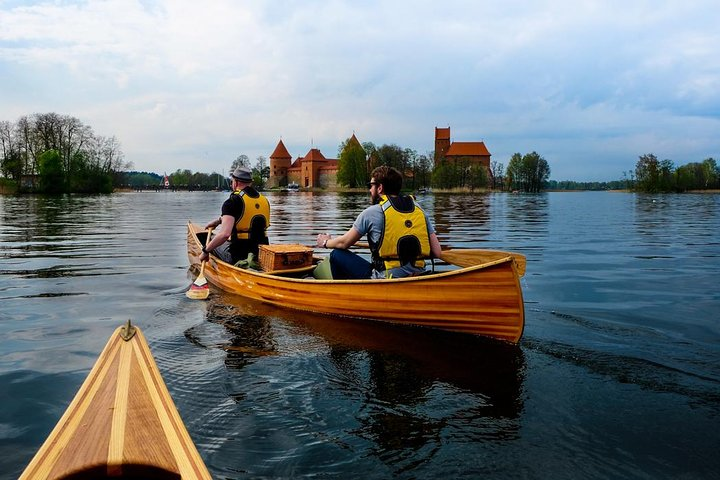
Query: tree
(496, 169)
(87, 162)
(528, 173)
(422, 170)
(241, 161)
(261, 172)
(392, 156)
(666, 176)
(514, 174)
(373, 161)
(352, 164)
(180, 177)
(538, 169)
(143, 179)
(477, 177)
(711, 173)
(647, 173)
(685, 177)
(51, 172)
(444, 175)
(411, 159)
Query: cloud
(589, 85)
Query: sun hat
(242, 174)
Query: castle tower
(311, 164)
(442, 143)
(280, 161)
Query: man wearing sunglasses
(399, 233)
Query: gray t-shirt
(371, 222)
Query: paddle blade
(471, 257)
(200, 281)
(198, 292)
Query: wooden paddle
(469, 257)
(199, 290)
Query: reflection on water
(401, 377)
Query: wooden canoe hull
(121, 424)
(483, 300)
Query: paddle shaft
(200, 290)
(207, 242)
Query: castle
(311, 171)
(315, 171)
(473, 152)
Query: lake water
(617, 374)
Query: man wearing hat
(243, 223)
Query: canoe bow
(122, 423)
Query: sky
(589, 85)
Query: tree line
(52, 153)
(356, 161)
(595, 186)
(652, 175)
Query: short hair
(390, 177)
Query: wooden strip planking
(46, 458)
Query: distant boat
(293, 186)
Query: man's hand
(322, 240)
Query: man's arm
(345, 241)
(222, 233)
(435, 247)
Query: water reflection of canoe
(494, 370)
(483, 300)
(121, 424)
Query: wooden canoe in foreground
(484, 299)
(121, 424)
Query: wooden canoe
(121, 424)
(483, 299)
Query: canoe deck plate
(127, 331)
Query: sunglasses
(370, 184)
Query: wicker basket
(284, 257)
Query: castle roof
(280, 151)
(354, 141)
(467, 149)
(314, 155)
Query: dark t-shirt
(235, 206)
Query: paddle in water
(199, 290)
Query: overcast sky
(589, 85)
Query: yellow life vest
(255, 208)
(405, 233)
